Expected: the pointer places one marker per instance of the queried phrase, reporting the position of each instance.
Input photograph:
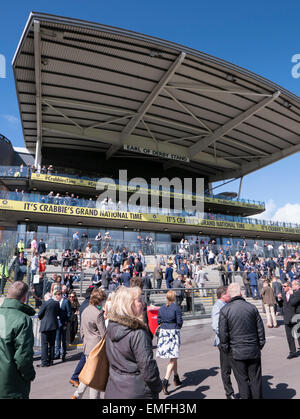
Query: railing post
(193, 301)
(81, 281)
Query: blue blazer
(169, 274)
(64, 313)
(170, 317)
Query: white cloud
(11, 118)
(289, 213)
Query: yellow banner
(41, 208)
(102, 186)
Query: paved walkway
(198, 368)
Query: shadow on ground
(281, 391)
(193, 378)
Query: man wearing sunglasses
(290, 302)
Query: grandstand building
(95, 100)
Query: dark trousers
(179, 300)
(290, 338)
(247, 290)
(61, 341)
(48, 345)
(79, 367)
(225, 364)
(158, 282)
(188, 303)
(248, 376)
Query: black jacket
(48, 314)
(133, 372)
(241, 329)
(291, 307)
(41, 247)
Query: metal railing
(89, 203)
(25, 171)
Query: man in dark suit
(48, 315)
(20, 267)
(61, 331)
(290, 302)
(41, 247)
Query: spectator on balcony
(57, 199)
(73, 200)
(43, 170)
(50, 197)
(50, 170)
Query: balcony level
(18, 207)
(23, 178)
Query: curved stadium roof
(87, 86)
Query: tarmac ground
(198, 366)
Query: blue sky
(259, 36)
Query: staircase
(203, 305)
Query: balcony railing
(25, 171)
(121, 206)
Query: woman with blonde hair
(133, 373)
(170, 320)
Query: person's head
(127, 302)
(234, 290)
(18, 290)
(98, 296)
(222, 294)
(265, 283)
(58, 295)
(295, 284)
(170, 297)
(287, 286)
(88, 292)
(136, 281)
(58, 278)
(47, 296)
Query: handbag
(96, 369)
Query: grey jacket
(92, 327)
(133, 373)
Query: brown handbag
(96, 369)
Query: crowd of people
(116, 306)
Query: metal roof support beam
(38, 94)
(233, 123)
(220, 89)
(147, 104)
(186, 109)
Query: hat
(88, 291)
